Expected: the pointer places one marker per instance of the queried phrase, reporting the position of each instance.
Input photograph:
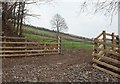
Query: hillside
(46, 35)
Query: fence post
(118, 43)
(4, 40)
(45, 47)
(113, 40)
(95, 45)
(61, 49)
(104, 39)
(59, 44)
(95, 50)
(26, 46)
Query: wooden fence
(107, 53)
(21, 46)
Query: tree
(107, 7)
(12, 18)
(14, 13)
(59, 23)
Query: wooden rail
(20, 46)
(6, 37)
(106, 52)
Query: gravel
(55, 73)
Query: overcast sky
(81, 24)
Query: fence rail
(21, 46)
(107, 53)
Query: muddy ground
(73, 66)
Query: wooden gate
(107, 53)
(21, 46)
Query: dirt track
(73, 66)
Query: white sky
(84, 24)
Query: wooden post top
(104, 31)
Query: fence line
(21, 46)
(107, 53)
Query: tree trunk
(0, 18)
(58, 33)
(18, 20)
(119, 25)
(22, 13)
(14, 15)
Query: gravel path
(73, 66)
(53, 73)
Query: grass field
(42, 35)
(49, 33)
(39, 38)
(76, 44)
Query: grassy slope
(47, 36)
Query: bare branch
(107, 7)
(59, 23)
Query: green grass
(41, 32)
(75, 44)
(64, 42)
(47, 36)
(37, 31)
(39, 38)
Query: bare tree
(58, 23)
(13, 14)
(12, 17)
(108, 7)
